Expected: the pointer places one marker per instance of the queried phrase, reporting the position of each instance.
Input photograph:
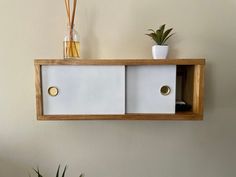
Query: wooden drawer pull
(53, 91)
(165, 90)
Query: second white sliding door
(150, 89)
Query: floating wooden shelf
(189, 88)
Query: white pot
(159, 51)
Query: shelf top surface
(199, 61)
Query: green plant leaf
(37, 172)
(58, 170)
(158, 36)
(81, 175)
(166, 33)
(168, 38)
(162, 29)
(64, 171)
(153, 36)
(151, 30)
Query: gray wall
(115, 29)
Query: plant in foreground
(57, 174)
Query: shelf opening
(184, 88)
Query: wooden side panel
(39, 107)
(198, 89)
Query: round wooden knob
(53, 91)
(165, 90)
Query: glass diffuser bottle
(71, 43)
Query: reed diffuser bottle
(71, 43)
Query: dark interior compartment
(184, 88)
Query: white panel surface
(84, 89)
(143, 89)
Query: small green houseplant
(57, 174)
(160, 36)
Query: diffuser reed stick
(67, 4)
(73, 13)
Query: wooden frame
(195, 77)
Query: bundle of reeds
(71, 45)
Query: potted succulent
(57, 174)
(160, 36)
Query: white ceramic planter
(159, 51)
